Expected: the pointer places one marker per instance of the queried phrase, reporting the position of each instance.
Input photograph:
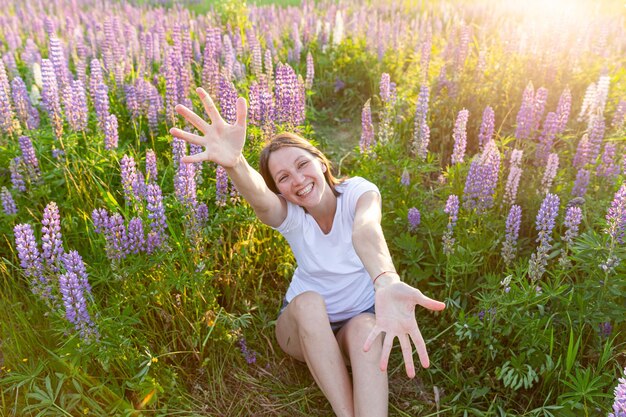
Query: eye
(303, 163)
(282, 178)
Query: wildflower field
(133, 284)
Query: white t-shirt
(327, 263)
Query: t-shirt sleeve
(294, 219)
(356, 188)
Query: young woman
(344, 266)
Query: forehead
(284, 158)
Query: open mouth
(306, 190)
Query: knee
(357, 331)
(309, 310)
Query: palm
(395, 315)
(223, 143)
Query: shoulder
(353, 183)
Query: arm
(395, 300)
(223, 144)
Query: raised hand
(222, 142)
(395, 315)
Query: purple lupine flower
(185, 184)
(130, 180)
(619, 404)
(116, 237)
(452, 210)
(616, 216)
(136, 239)
(250, 355)
(602, 93)
(385, 88)
(132, 102)
(486, 127)
(202, 214)
(405, 178)
(421, 131)
(512, 181)
(96, 78)
(573, 217)
(8, 204)
(151, 167)
(257, 60)
(221, 185)
(6, 111)
(50, 96)
(30, 260)
(227, 98)
(101, 104)
(618, 117)
(608, 167)
(100, 218)
(268, 64)
(546, 140)
(414, 218)
(310, 71)
(80, 113)
(179, 149)
(482, 179)
(73, 262)
(563, 110)
(157, 236)
(57, 57)
(545, 222)
(605, 330)
(52, 243)
(367, 129)
(171, 86)
(29, 158)
(17, 179)
(596, 136)
(110, 132)
(289, 96)
(460, 137)
(582, 153)
(539, 105)
(513, 222)
(524, 118)
(26, 113)
(73, 295)
(581, 183)
(425, 49)
(550, 173)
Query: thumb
(428, 302)
(242, 112)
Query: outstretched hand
(222, 142)
(395, 315)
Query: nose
(298, 178)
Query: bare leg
(371, 387)
(303, 331)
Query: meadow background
(136, 285)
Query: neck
(324, 212)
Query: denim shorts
(334, 325)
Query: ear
(324, 168)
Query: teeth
(305, 190)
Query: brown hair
(288, 139)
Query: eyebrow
(294, 162)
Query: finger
(198, 157)
(428, 302)
(407, 354)
(420, 345)
(192, 118)
(370, 339)
(242, 111)
(187, 136)
(209, 106)
(384, 355)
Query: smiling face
(298, 175)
